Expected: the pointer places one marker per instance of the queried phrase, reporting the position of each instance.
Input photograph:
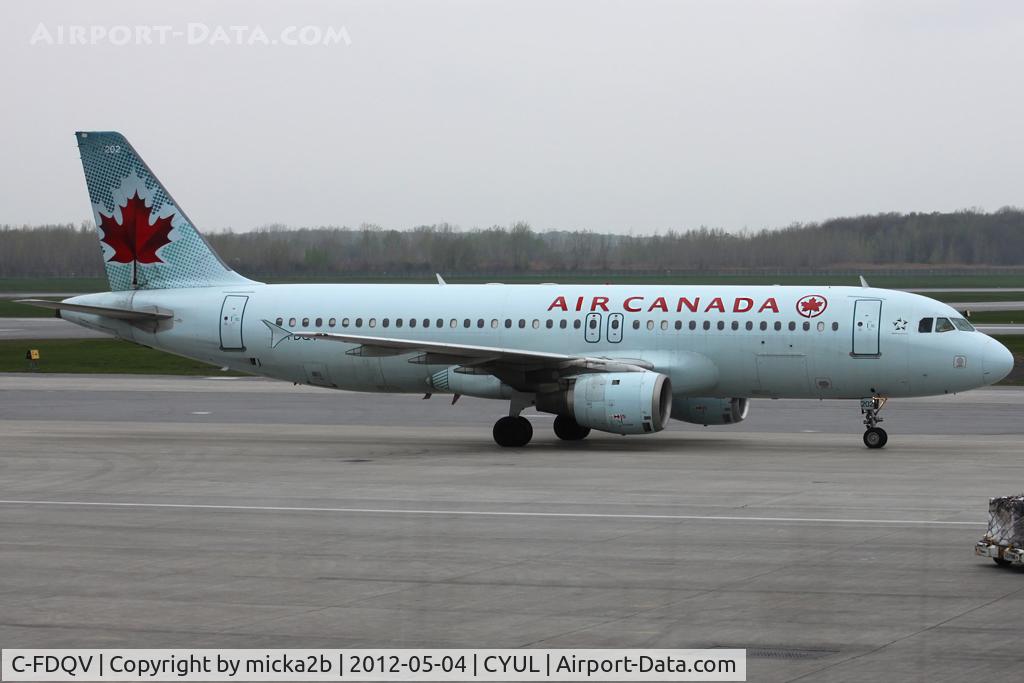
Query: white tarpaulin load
(1006, 521)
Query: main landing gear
(874, 436)
(567, 429)
(513, 431)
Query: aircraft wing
(469, 354)
(106, 311)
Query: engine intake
(616, 402)
(710, 411)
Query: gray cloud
(613, 116)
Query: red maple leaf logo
(134, 238)
(811, 305)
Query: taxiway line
(485, 513)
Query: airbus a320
(622, 359)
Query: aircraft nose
(997, 361)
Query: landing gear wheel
(875, 437)
(513, 432)
(567, 429)
(1001, 562)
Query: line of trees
(962, 239)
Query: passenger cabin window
(440, 322)
(963, 325)
(536, 324)
(385, 322)
(943, 325)
(835, 327)
(807, 326)
(679, 324)
(305, 322)
(279, 322)
(764, 326)
(412, 322)
(750, 325)
(707, 324)
(508, 323)
(636, 324)
(693, 324)
(792, 326)
(332, 322)
(563, 324)
(426, 322)
(650, 324)
(373, 322)
(576, 324)
(925, 325)
(359, 322)
(735, 325)
(522, 323)
(550, 323)
(291, 322)
(319, 322)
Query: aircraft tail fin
(147, 240)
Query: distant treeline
(960, 239)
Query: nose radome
(997, 361)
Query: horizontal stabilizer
(105, 311)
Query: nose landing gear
(874, 436)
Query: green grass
(9, 309)
(53, 284)
(98, 356)
(957, 297)
(997, 317)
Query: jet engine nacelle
(710, 411)
(616, 402)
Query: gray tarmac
(187, 512)
(45, 328)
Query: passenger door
(231, 312)
(867, 314)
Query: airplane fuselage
(712, 341)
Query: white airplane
(621, 359)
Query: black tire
(875, 437)
(567, 429)
(512, 432)
(1001, 562)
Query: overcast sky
(614, 116)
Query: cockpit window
(963, 325)
(925, 325)
(943, 325)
